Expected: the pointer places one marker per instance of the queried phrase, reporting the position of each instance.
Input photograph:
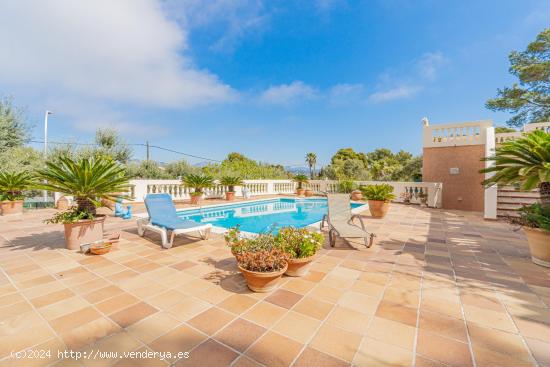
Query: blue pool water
(262, 216)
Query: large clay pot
(230, 195)
(262, 282)
(308, 192)
(83, 231)
(378, 208)
(300, 192)
(539, 244)
(356, 195)
(299, 267)
(11, 207)
(195, 199)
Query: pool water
(262, 216)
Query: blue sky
(271, 79)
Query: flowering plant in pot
(198, 183)
(379, 197)
(302, 246)
(261, 259)
(12, 185)
(88, 180)
(300, 179)
(231, 182)
(526, 161)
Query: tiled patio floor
(439, 288)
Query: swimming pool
(262, 216)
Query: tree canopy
(529, 100)
(14, 131)
(380, 165)
(236, 164)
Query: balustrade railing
(465, 133)
(140, 188)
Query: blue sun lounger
(163, 219)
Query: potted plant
(302, 246)
(300, 179)
(345, 186)
(308, 193)
(379, 197)
(88, 180)
(198, 183)
(526, 161)
(12, 185)
(231, 182)
(261, 260)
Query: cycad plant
(300, 179)
(88, 180)
(198, 182)
(525, 161)
(231, 182)
(12, 185)
(381, 192)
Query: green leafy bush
(12, 185)
(70, 216)
(534, 216)
(346, 186)
(299, 242)
(381, 192)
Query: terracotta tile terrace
(438, 288)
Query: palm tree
(525, 161)
(198, 183)
(311, 160)
(87, 179)
(12, 185)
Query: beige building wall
(462, 190)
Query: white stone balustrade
(454, 134)
(140, 188)
(503, 137)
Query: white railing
(503, 137)
(140, 188)
(460, 133)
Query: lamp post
(46, 146)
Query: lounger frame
(144, 224)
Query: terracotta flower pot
(230, 195)
(262, 282)
(83, 231)
(539, 244)
(299, 267)
(11, 207)
(195, 199)
(356, 195)
(300, 192)
(378, 208)
(309, 192)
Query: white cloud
(123, 51)
(342, 94)
(399, 92)
(430, 63)
(286, 94)
(232, 20)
